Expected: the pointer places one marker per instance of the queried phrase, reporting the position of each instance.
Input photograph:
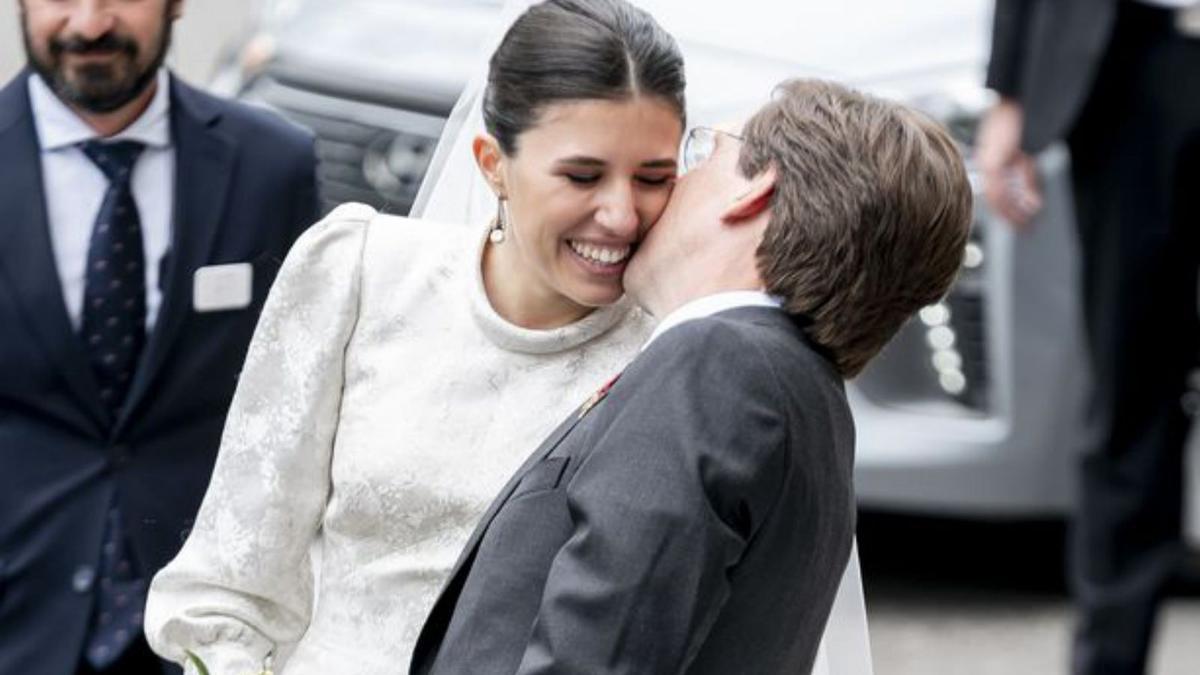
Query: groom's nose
(618, 211)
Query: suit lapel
(552, 441)
(27, 257)
(439, 618)
(204, 159)
(547, 446)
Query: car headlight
(394, 163)
(955, 335)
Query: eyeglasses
(700, 144)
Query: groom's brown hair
(869, 216)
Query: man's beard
(97, 87)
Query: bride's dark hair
(569, 50)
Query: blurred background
(970, 422)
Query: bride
(403, 368)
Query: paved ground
(950, 598)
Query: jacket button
(83, 579)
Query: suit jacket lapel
(439, 618)
(544, 449)
(204, 159)
(27, 257)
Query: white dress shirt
(75, 187)
(712, 304)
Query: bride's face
(583, 186)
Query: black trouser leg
(1134, 169)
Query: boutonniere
(203, 669)
(598, 396)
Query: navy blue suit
(244, 190)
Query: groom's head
(853, 210)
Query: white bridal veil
(454, 192)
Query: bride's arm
(242, 585)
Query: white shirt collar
(712, 304)
(58, 126)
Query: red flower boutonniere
(598, 396)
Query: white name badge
(220, 288)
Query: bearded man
(143, 222)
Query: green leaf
(196, 661)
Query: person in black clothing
(1119, 82)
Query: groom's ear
(489, 157)
(754, 200)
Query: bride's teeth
(605, 256)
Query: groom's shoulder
(711, 346)
(750, 349)
(754, 337)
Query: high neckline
(514, 338)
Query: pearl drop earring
(497, 235)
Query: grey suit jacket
(1046, 53)
(697, 520)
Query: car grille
(366, 152)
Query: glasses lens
(699, 147)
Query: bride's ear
(489, 158)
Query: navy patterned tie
(114, 296)
(113, 331)
(117, 617)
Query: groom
(696, 515)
